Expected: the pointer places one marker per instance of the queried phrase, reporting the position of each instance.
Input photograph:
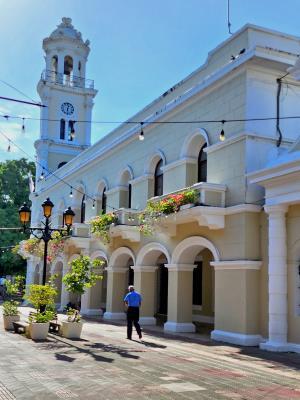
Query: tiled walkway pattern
(106, 366)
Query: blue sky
(139, 49)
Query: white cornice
(141, 178)
(242, 136)
(236, 264)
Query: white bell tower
(68, 97)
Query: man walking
(133, 302)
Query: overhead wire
(50, 173)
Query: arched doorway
(117, 282)
(151, 280)
(190, 274)
(92, 302)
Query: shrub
(41, 296)
(81, 275)
(10, 308)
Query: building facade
(230, 262)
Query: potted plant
(39, 324)
(80, 277)
(100, 226)
(72, 328)
(42, 298)
(10, 307)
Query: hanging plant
(100, 226)
(168, 205)
(30, 247)
(56, 245)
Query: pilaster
(145, 284)
(277, 278)
(180, 298)
(115, 293)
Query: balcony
(66, 80)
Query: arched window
(62, 129)
(71, 130)
(129, 195)
(104, 201)
(68, 65)
(158, 179)
(202, 165)
(54, 64)
(82, 211)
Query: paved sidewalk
(104, 365)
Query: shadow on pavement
(114, 349)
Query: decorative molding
(170, 326)
(276, 209)
(151, 247)
(116, 189)
(116, 269)
(141, 178)
(141, 268)
(180, 267)
(236, 264)
(178, 163)
(236, 338)
(280, 346)
(126, 232)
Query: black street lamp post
(46, 232)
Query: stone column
(277, 279)
(115, 293)
(145, 284)
(180, 298)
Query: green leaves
(81, 275)
(14, 191)
(41, 296)
(100, 225)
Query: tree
(14, 191)
(81, 275)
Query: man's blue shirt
(133, 299)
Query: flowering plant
(100, 225)
(35, 246)
(30, 247)
(168, 205)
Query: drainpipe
(278, 143)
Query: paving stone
(161, 367)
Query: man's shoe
(129, 338)
(140, 336)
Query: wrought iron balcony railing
(66, 80)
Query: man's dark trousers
(133, 315)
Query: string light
(9, 147)
(93, 206)
(23, 125)
(222, 133)
(42, 176)
(71, 192)
(141, 135)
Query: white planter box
(38, 331)
(71, 330)
(8, 321)
(186, 206)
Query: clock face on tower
(67, 108)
